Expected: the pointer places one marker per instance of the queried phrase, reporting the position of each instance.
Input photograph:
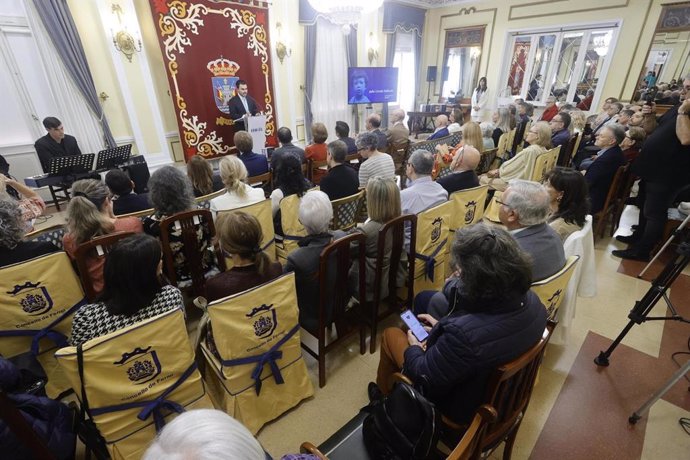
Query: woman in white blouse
(480, 98)
(238, 193)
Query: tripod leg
(659, 393)
(603, 359)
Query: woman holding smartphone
(501, 319)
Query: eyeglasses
(502, 203)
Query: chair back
(204, 202)
(346, 211)
(135, 379)
(566, 152)
(188, 251)
(509, 391)
(264, 180)
(491, 211)
(519, 140)
(257, 372)
(612, 197)
(505, 143)
(52, 234)
(37, 304)
(97, 248)
(293, 230)
(139, 214)
(469, 446)
(262, 212)
(576, 146)
(316, 170)
(431, 247)
(552, 290)
(354, 160)
(399, 154)
(486, 159)
(468, 207)
(540, 166)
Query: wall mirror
(461, 59)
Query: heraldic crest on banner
(140, 365)
(223, 81)
(265, 320)
(32, 298)
(470, 210)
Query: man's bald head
(467, 159)
(397, 115)
(442, 121)
(374, 121)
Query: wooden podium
(256, 127)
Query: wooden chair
(334, 265)
(60, 194)
(505, 143)
(552, 290)
(566, 152)
(52, 234)
(354, 160)
(612, 197)
(469, 446)
(346, 211)
(316, 170)
(265, 181)
(140, 214)
(97, 248)
(204, 202)
(189, 253)
(542, 163)
(487, 158)
(399, 154)
(627, 182)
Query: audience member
(523, 111)
(550, 110)
(441, 130)
(502, 319)
(255, 163)
(55, 143)
(624, 117)
(342, 130)
(569, 200)
(463, 175)
(29, 201)
(131, 295)
(240, 237)
(522, 164)
(503, 123)
(13, 249)
(90, 214)
(286, 148)
(586, 103)
(125, 200)
(317, 150)
(560, 134)
(341, 180)
(398, 133)
(377, 163)
(201, 175)
(315, 213)
(632, 143)
(456, 120)
(577, 121)
(471, 136)
(487, 130)
(373, 125)
(289, 181)
(601, 170)
(237, 192)
(479, 100)
(604, 113)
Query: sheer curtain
(75, 114)
(404, 60)
(329, 101)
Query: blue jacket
(443, 132)
(463, 350)
(600, 175)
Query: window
(564, 63)
(404, 60)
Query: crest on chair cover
(471, 208)
(553, 301)
(32, 298)
(141, 365)
(265, 320)
(436, 229)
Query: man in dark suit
(286, 148)
(241, 105)
(441, 128)
(603, 167)
(374, 125)
(341, 180)
(124, 198)
(463, 166)
(342, 130)
(55, 144)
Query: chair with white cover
(551, 291)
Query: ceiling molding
(429, 4)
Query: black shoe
(630, 254)
(634, 227)
(374, 392)
(630, 239)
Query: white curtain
(76, 116)
(329, 102)
(404, 60)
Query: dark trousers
(658, 197)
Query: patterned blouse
(94, 320)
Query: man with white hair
(463, 165)
(398, 132)
(524, 209)
(441, 123)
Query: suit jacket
(236, 109)
(398, 134)
(443, 132)
(383, 140)
(286, 149)
(459, 181)
(561, 137)
(341, 181)
(48, 149)
(131, 203)
(351, 145)
(255, 163)
(600, 175)
(544, 245)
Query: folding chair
(346, 211)
(132, 381)
(39, 299)
(293, 230)
(431, 247)
(258, 372)
(96, 249)
(552, 290)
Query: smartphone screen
(415, 326)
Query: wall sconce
(123, 41)
(373, 48)
(282, 43)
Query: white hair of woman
(315, 212)
(204, 434)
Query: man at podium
(241, 105)
(55, 144)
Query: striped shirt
(380, 165)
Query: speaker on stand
(430, 77)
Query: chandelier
(601, 43)
(345, 12)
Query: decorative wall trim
(637, 46)
(558, 12)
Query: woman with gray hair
(376, 163)
(487, 131)
(315, 213)
(13, 249)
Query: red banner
(207, 46)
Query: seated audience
(502, 319)
(28, 200)
(456, 121)
(90, 214)
(462, 177)
(471, 136)
(286, 148)
(524, 111)
(341, 180)
(342, 131)
(624, 117)
(383, 205)
(586, 103)
(441, 130)
(255, 163)
(289, 181)
(315, 213)
(201, 175)
(603, 167)
(632, 143)
(560, 132)
(503, 123)
(13, 249)
(317, 150)
(373, 125)
(125, 200)
(577, 121)
(550, 110)
(130, 295)
(377, 163)
(569, 200)
(238, 192)
(398, 132)
(522, 164)
(487, 130)
(240, 237)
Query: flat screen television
(372, 84)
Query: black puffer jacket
(462, 351)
